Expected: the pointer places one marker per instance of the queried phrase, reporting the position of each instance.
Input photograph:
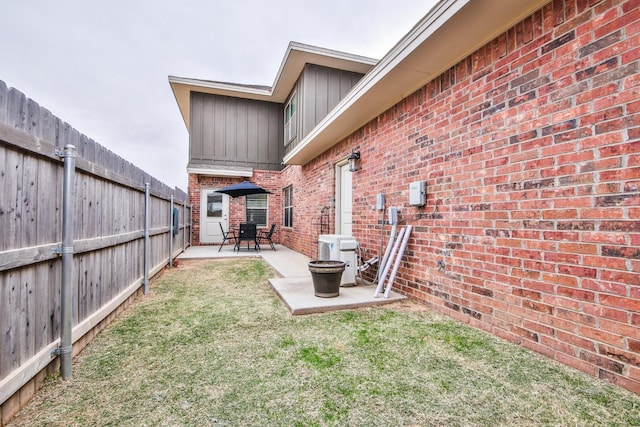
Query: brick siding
(266, 179)
(531, 153)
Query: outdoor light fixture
(354, 161)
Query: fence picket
(108, 236)
(12, 193)
(26, 318)
(29, 201)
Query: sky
(103, 66)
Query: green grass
(213, 345)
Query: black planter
(326, 277)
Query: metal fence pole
(66, 297)
(171, 233)
(184, 226)
(147, 187)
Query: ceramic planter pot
(326, 276)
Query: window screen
(257, 208)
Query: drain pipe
(393, 220)
(147, 187)
(66, 286)
(403, 246)
(387, 267)
(385, 258)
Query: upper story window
(288, 207)
(290, 122)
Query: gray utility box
(337, 247)
(417, 193)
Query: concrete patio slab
(297, 293)
(294, 286)
(286, 262)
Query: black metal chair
(247, 234)
(227, 236)
(267, 236)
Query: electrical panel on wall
(417, 193)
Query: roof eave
(451, 31)
(296, 56)
(182, 88)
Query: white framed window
(290, 118)
(257, 209)
(288, 207)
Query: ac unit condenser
(337, 247)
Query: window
(288, 207)
(290, 122)
(257, 209)
(214, 205)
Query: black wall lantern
(354, 161)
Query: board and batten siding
(235, 132)
(319, 90)
(109, 195)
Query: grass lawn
(213, 345)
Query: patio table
(247, 232)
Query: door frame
(203, 214)
(338, 194)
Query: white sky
(103, 66)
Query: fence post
(66, 293)
(184, 226)
(171, 233)
(147, 186)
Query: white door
(214, 210)
(344, 200)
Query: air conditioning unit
(337, 247)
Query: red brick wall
(266, 179)
(530, 150)
(313, 190)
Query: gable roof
(295, 58)
(451, 31)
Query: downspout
(66, 286)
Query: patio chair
(267, 235)
(247, 234)
(227, 236)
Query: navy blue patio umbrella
(244, 188)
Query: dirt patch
(410, 306)
(192, 264)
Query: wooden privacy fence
(108, 205)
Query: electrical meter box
(417, 193)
